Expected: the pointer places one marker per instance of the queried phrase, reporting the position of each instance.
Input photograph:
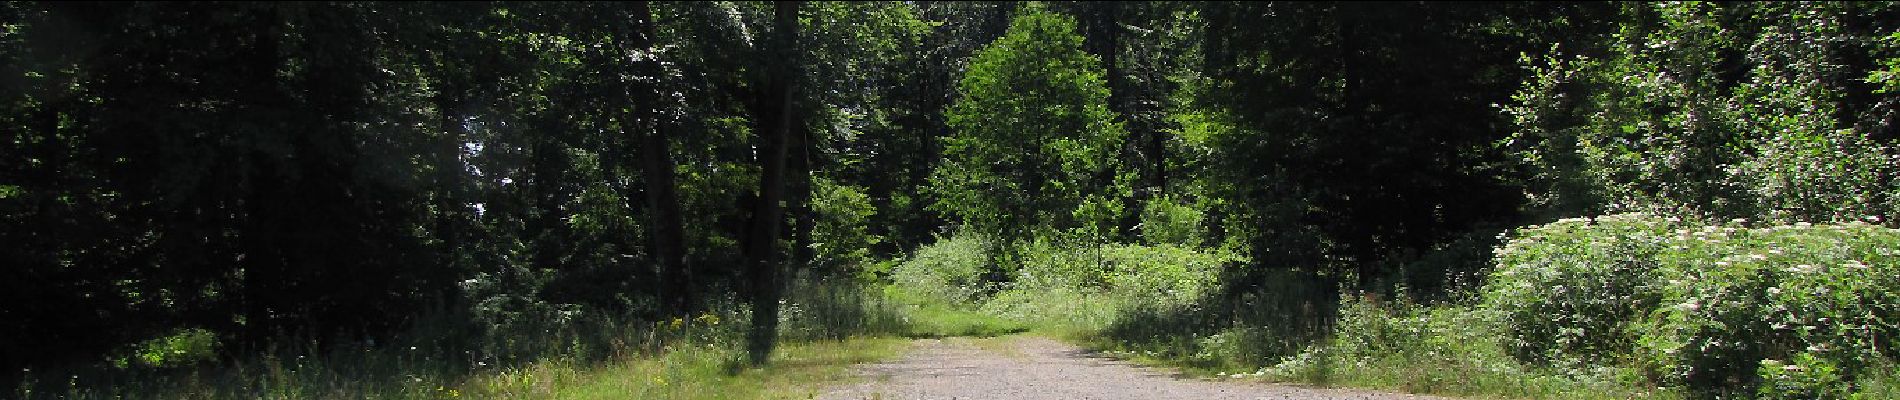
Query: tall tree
(1362, 135)
(774, 127)
(643, 98)
(1032, 135)
(1753, 110)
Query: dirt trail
(1033, 368)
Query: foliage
(1569, 291)
(1165, 221)
(1723, 111)
(1454, 350)
(950, 271)
(840, 308)
(1165, 275)
(1346, 136)
(1032, 135)
(830, 325)
(1703, 306)
(196, 195)
(842, 240)
(184, 347)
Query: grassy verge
(1437, 351)
(694, 368)
(1625, 306)
(828, 327)
(1162, 305)
(799, 370)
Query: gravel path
(1032, 368)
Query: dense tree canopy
(334, 171)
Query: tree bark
(668, 233)
(774, 120)
(799, 201)
(259, 255)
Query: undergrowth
(1626, 306)
(827, 324)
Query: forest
(1691, 200)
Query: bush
(1161, 274)
(1827, 292)
(840, 240)
(1570, 289)
(1166, 221)
(182, 347)
(949, 271)
(1442, 349)
(1714, 308)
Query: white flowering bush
(1763, 296)
(1569, 290)
(1725, 309)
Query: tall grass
(829, 324)
(1630, 306)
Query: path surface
(1033, 368)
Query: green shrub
(1570, 289)
(1442, 349)
(840, 240)
(1828, 292)
(1050, 263)
(1883, 382)
(1449, 337)
(1708, 307)
(182, 347)
(1055, 308)
(1166, 221)
(950, 271)
(1805, 377)
(1167, 274)
(1163, 274)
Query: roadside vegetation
(1648, 264)
(829, 326)
(737, 199)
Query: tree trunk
(799, 201)
(668, 233)
(451, 212)
(1107, 29)
(259, 255)
(774, 120)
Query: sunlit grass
(799, 370)
(936, 321)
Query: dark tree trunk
(1106, 29)
(452, 214)
(774, 120)
(656, 163)
(261, 259)
(799, 201)
(1215, 59)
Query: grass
(1174, 306)
(828, 329)
(799, 370)
(939, 321)
(705, 364)
(1418, 366)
